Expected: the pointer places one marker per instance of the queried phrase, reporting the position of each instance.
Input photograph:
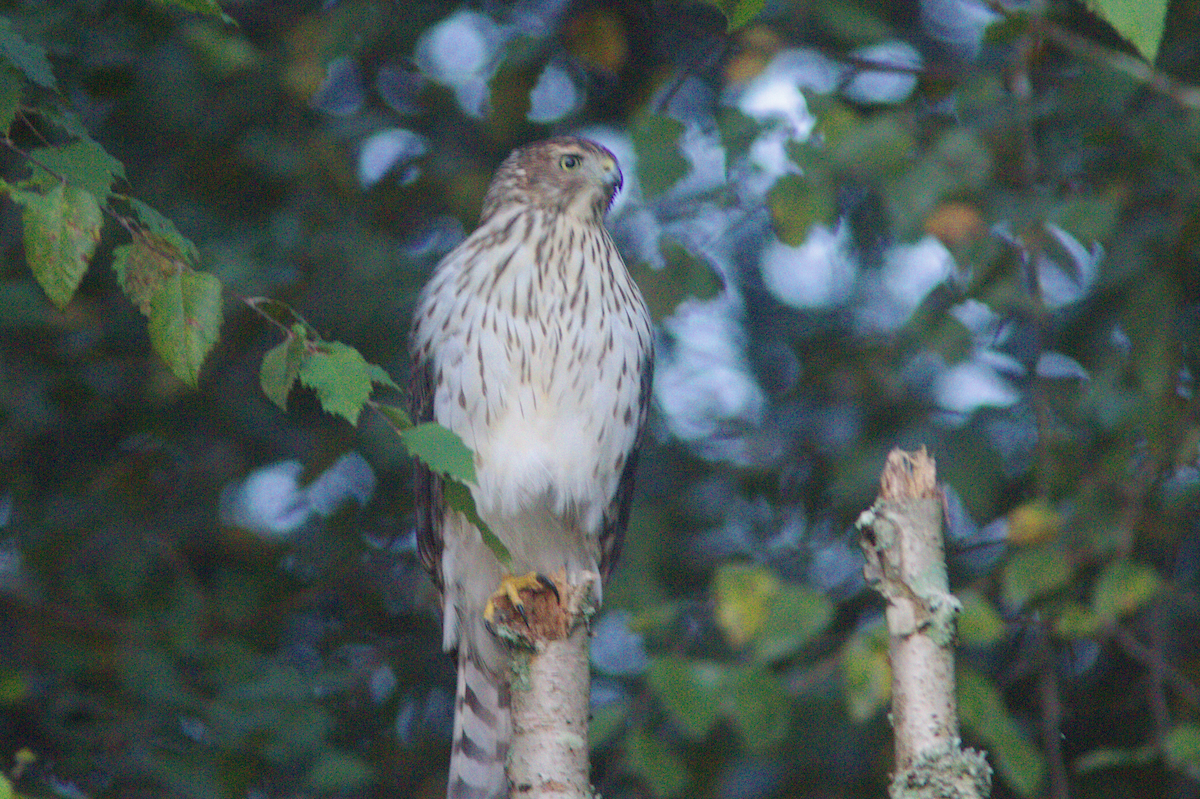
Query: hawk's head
(566, 175)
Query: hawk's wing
(427, 486)
(616, 515)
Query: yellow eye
(569, 162)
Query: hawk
(534, 345)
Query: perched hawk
(534, 345)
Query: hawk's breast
(538, 364)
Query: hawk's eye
(569, 162)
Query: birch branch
(548, 754)
(901, 536)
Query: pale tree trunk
(901, 536)
(548, 755)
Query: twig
(1182, 93)
(1051, 705)
(1184, 687)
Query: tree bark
(901, 536)
(548, 755)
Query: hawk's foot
(510, 589)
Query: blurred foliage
(992, 250)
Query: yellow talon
(510, 589)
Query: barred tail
(482, 728)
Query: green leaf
(659, 165)
(398, 417)
(1074, 620)
(1123, 588)
(737, 130)
(738, 13)
(1107, 759)
(982, 710)
(441, 450)
(978, 623)
(12, 90)
(185, 320)
(379, 376)
(1139, 21)
(337, 772)
(66, 119)
(206, 7)
(649, 758)
(879, 145)
(691, 691)
(458, 497)
(607, 723)
(280, 368)
(62, 229)
(164, 228)
(29, 58)
(683, 276)
(959, 162)
(1033, 573)
(81, 163)
(867, 674)
(796, 205)
(758, 706)
(340, 376)
(1008, 28)
(22, 305)
(794, 617)
(1182, 749)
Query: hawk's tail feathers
(482, 728)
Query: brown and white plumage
(532, 343)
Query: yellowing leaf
(380, 377)
(62, 229)
(1034, 522)
(208, 7)
(1182, 748)
(185, 320)
(12, 90)
(162, 228)
(458, 497)
(743, 594)
(599, 38)
(142, 266)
